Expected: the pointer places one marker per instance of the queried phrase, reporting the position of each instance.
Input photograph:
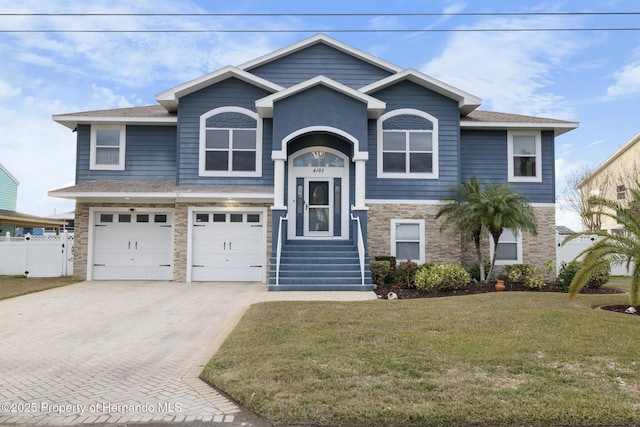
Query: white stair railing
(360, 247)
(279, 247)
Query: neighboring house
(613, 178)
(270, 170)
(8, 198)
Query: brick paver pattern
(114, 352)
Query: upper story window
(524, 150)
(230, 143)
(408, 145)
(621, 192)
(107, 147)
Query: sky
(591, 77)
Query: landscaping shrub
(404, 274)
(390, 258)
(474, 270)
(567, 272)
(600, 276)
(442, 277)
(380, 271)
(526, 273)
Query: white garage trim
(213, 209)
(133, 210)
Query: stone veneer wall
(180, 244)
(439, 246)
(536, 250)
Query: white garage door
(227, 247)
(133, 246)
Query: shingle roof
(145, 111)
(492, 116)
(159, 189)
(26, 220)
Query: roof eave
(72, 121)
(558, 128)
(611, 159)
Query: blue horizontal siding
(320, 106)
(230, 92)
(409, 95)
(150, 155)
(317, 60)
(484, 155)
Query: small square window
(106, 217)
(160, 218)
(236, 217)
(202, 217)
(124, 218)
(219, 217)
(142, 218)
(253, 217)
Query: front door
(318, 194)
(318, 217)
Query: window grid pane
(524, 166)
(408, 250)
(107, 156)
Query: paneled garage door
(133, 246)
(227, 247)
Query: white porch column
(278, 179)
(360, 159)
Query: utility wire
(325, 30)
(332, 14)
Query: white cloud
(8, 91)
(627, 81)
(108, 98)
(510, 71)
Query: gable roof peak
(169, 99)
(317, 39)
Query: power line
(226, 15)
(326, 31)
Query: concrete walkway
(123, 352)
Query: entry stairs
(319, 265)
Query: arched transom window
(230, 142)
(408, 145)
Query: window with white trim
(107, 147)
(407, 239)
(408, 144)
(621, 192)
(509, 249)
(524, 150)
(230, 143)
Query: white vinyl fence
(570, 250)
(37, 256)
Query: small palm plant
(616, 249)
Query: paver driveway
(121, 352)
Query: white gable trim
(320, 38)
(375, 107)
(466, 101)
(170, 98)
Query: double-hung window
(509, 249)
(107, 147)
(621, 192)
(230, 143)
(407, 239)
(524, 150)
(407, 145)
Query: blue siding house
(294, 169)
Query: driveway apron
(122, 352)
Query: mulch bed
(483, 287)
(478, 288)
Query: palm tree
(500, 208)
(459, 213)
(617, 249)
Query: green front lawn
(13, 286)
(509, 358)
